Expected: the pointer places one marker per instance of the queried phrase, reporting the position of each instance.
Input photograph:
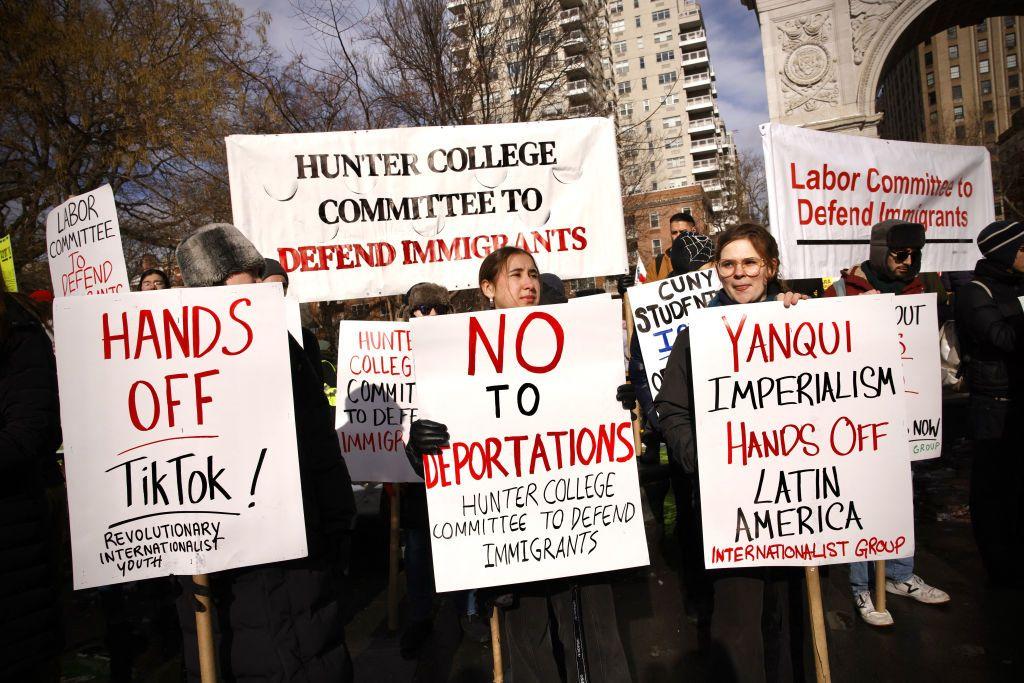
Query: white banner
(179, 432)
(917, 321)
(826, 190)
(802, 448)
(371, 213)
(83, 243)
(540, 480)
(376, 399)
(660, 312)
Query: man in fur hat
(283, 620)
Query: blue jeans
(895, 570)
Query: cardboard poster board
(917, 322)
(83, 243)
(369, 213)
(826, 190)
(7, 270)
(801, 433)
(660, 312)
(540, 480)
(376, 399)
(179, 443)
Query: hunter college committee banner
(371, 213)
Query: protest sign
(802, 448)
(179, 432)
(376, 399)
(7, 264)
(83, 243)
(826, 190)
(660, 312)
(917, 323)
(540, 480)
(371, 213)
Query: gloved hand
(626, 395)
(426, 437)
(625, 282)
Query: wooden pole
(821, 668)
(204, 633)
(393, 551)
(627, 312)
(879, 585)
(499, 670)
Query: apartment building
(665, 94)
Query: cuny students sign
(540, 480)
(801, 433)
(181, 457)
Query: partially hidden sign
(370, 213)
(7, 270)
(540, 480)
(826, 190)
(660, 312)
(918, 330)
(801, 433)
(179, 432)
(376, 399)
(83, 243)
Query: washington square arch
(824, 59)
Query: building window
(660, 15)
(656, 244)
(626, 109)
(986, 87)
(983, 27)
(960, 133)
(618, 26)
(636, 4)
(615, 7)
(930, 78)
(1008, 21)
(515, 69)
(958, 93)
(643, 83)
(954, 52)
(927, 58)
(624, 87)
(642, 63)
(958, 113)
(934, 116)
(670, 99)
(983, 66)
(636, 20)
(640, 43)
(1013, 81)
(673, 143)
(931, 98)
(666, 56)
(663, 36)
(990, 128)
(951, 32)
(1011, 40)
(655, 220)
(1014, 102)
(648, 127)
(666, 78)
(954, 72)
(983, 45)
(986, 106)
(671, 122)
(619, 47)
(1011, 61)
(675, 162)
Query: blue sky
(733, 38)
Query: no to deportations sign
(801, 433)
(179, 444)
(83, 243)
(917, 324)
(428, 204)
(376, 399)
(826, 190)
(540, 480)
(660, 312)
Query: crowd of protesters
(285, 620)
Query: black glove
(626, 395)
(426, 437)
(625, 282)
(192, 589)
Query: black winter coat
(284, 621)
(990, 328)
(29, 437)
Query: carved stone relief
(866, 17)
(808, 72)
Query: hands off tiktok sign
(83, 243)
(179, 444)
(801, 433)
(540, 480)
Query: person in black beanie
(894, 264)
(990, 326)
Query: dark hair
(684, 217)
(496, 260)
(764, 244)
(155, 271)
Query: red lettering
(108, 337)
(248, 330)
(734, 340)
(559, 343)
(201, 398)
(476, 332)
(133, 411)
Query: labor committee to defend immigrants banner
(370, 213)
(801, 434)
(826, 190)
(179, 432)
(540, 480)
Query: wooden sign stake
(393, 551)
(879, 585)
(627, 312)
(499, 670)
(821, 668)
(204, 633)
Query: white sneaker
(868, 613)
(915, 588)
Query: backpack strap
(983, 286)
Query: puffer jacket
(284, 621)
(29, 436)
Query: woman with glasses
(753, 608)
